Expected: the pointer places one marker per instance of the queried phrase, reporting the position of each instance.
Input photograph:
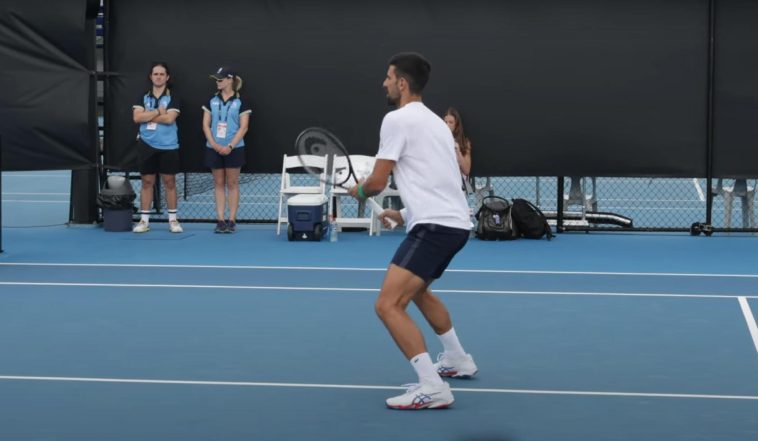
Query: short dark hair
(414, 68)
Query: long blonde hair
(237, 83)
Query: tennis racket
(318, 142)
(325, 158)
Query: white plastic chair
(578, 194)
(287, 188)
(363, 166)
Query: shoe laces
(443, 357)
(411, 387)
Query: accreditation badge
(152, 126)
(221, 130)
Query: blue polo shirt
(228, 112)
(162, 136)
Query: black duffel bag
(530, 220)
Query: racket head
(320, 142)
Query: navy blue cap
(222, 73)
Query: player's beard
(392, 101)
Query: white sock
(171, 215)
(452, 345)
(145, 217)
(422, 364)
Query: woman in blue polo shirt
(225, 122)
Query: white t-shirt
(426, 169)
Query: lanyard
(223, 109)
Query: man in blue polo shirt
(158, 145)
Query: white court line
(329, 268)
(343, 289)
(16, 193)
(41, 175)
(751, 325)
(33, 201)
(372, 387)
(646, 200)
(699, 190)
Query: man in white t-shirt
(418, 147)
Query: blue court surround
(586, 337)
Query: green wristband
(361, 194)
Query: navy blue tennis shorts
(428, 249)
(154, 161)
(235, 159)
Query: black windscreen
(45, 78)
(546, 87)
(736, 104)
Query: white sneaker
(422, 396)
(175, 227)
(141, 227)
(456, 367)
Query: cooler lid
(307, 200)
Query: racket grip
(378, 209)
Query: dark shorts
(155, 161)
(215, 160)
(429, 248)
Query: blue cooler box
(306, 215)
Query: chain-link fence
(606, 203)
(588, 203)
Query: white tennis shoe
(175, 227)
(422, 396)
(141, 227)
(463, 367)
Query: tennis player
(417, 146)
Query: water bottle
(333, 231)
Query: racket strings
(317, 141)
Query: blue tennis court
(116, 336)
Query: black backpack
(495, 221)
(530, 220)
